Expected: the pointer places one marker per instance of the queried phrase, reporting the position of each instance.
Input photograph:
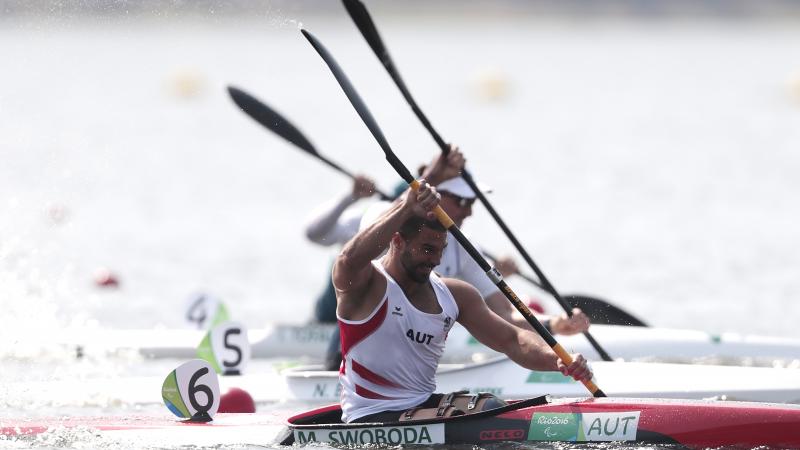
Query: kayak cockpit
(325, 425)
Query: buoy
(186, 83)
(105, 278)
(492, 85)
(57, 213)
(236, 400)
(535, 306)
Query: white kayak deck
(499, 376)
(311, 341)
(506, 379)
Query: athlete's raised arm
(354, 277)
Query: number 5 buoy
(226, 347)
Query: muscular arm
(524, 347)
(354, 277)
(498, 303)
(353, 273)
(470, 272)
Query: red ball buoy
(236, 400)
(535, 306)
(105, 278)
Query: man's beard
(413, 270)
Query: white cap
(457, 186)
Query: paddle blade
(359, 106)
(601, 312)
(358, 12)
(270, 118)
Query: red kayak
(692, 423)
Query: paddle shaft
(358, 12)
(599, 311)
(498, 281)
(278, 124)
(327, 161)
(441, 215)
(545, 283)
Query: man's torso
(390, 358)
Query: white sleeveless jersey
(389, 359)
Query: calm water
(653, 164)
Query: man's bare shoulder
(461, 290)
(357, 305)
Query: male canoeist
(394, 315)
(444, 172)
(457, 200)
(337, 221)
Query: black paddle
(446, 221)
(599, 311)
(358, 12)
(275, 122)
(602, 312)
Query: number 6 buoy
(191, 391)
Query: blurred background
(645, 152)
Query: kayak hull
(699, 424)
(695, 424)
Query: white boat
(273, 341)
(311, 341)
(506, 379)
(499, 376)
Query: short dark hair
(413, 226)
